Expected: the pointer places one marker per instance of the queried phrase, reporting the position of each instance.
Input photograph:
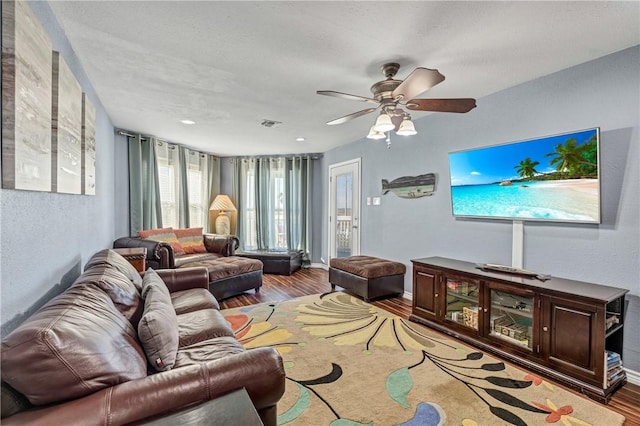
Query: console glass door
(462, 301)
(511, 318)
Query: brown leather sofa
(229, 275)
(160, 255)
(82, 359)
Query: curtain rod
(314, 156)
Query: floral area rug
(349, 363)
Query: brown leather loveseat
(160, 255)
(102, 354)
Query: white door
(344, 209)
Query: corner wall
(602, 93)
(47, 238)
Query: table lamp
(223, 204)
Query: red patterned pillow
(165, 235)
(191, 240)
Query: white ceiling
(228, 65)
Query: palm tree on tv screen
(527, 168)
(573, 160)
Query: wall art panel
(88, 147)
(66, 129)
(26, 100)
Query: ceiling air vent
(270, 123)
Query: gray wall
(602, 93)
(46, 238)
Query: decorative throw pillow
(164, 235)
(158, 327)
(191, 240)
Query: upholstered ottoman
(231, 275)
(367, 276)
(280, 262)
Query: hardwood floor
(625, 401)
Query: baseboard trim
(633, 376)
(319, 265)
(407, 295)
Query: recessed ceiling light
(300, 139)
(187, 122)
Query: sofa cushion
(198, 326)
(76, 344)
(120, 289)
(193, 299)
(191, 240)
(164, 235)
(208, 350)
(224, 267)
(158, 327)
(188, 260)
(110, 258)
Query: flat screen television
(553, 178)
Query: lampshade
(383, 123)
(222, 202)
(406, 127)
(375, 135)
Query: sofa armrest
(185, 278)
(159, 255)
(225, 245)
(259, 370)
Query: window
(168, 190)
(198, 203)
(175, 166)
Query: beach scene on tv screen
(552, 178)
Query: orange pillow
(191, 240)
(164, 235)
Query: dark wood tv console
(559, 328)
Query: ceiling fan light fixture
(406, 127)
(373, 134)
(383, 123)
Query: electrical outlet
(368, 201)
(376, 201)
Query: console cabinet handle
(545, 328)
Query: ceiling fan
(390, 93)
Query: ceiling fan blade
(351, 116)
(346, 96)
(420, 80)
(442, 105)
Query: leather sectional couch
(102, 354)
(229, 275)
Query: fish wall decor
(410, 186)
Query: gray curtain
(298, 172)
(183, 201)
(264, 207)
(238, 197)
(144, 192)
(213, 186)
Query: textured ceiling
(228, 65)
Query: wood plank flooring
(625, 401)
